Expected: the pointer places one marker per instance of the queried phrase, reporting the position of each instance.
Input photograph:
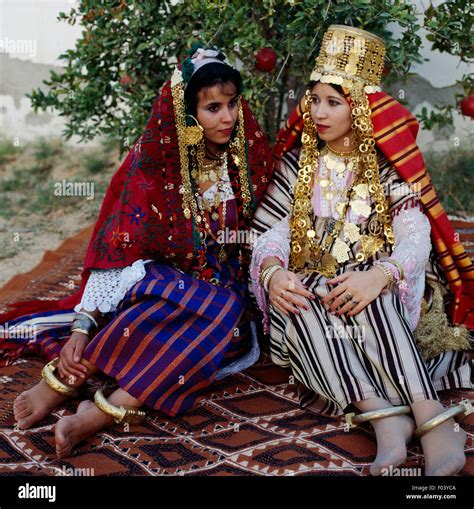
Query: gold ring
(282, 293)
(278, 299)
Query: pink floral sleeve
(412, 250)
(273, 243)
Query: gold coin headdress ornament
(353, 59)
(191, 135)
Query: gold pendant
(351, 69)
(371, 245)
(351, 232)
(328, 265)
(340, 251)
(362, 190)
(330, 162)
(187, 213)
(375, 228)
(360, 208)
(215, 216)
(193, 134)
(323, 183)
(315, 255)
(206, 203)
(212, 176)
(340, 208)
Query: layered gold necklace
(342, 163)
(209, 171)
(212, 172)
(326, 256)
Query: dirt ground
(34, 216)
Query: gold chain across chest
(306, 253)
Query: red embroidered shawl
(142, 216)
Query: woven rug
(248, 424)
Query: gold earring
(193, 134)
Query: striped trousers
(340, 360)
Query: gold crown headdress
(354, 59)
(348, 56)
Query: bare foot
(35, 404)
(393, 435)
(443, 448)
(72, 429)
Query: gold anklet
(50, 378)
(464, 407)
(352, 419)
(120, 414)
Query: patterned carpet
(247, 425)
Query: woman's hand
(354, 291)
(71, 353)
(285, 292)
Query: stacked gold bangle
(267, 274)
(388, 275)
(398, 265)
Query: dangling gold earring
(193, 134)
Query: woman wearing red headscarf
(356, 287)
(163, 303)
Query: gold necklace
(205, 207)
(210, 171)
(342, 162)
(343, 155)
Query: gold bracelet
(266, 270)
(388, 275)
(274, 268)
(398, 265)
(263, 274)
(50, 378)
(119, 414)
(464, 407)
(352, 419)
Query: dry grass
(33, 216)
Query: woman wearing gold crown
(351, 285)
(163, 303)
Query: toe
(23, 413)
(24, 423)
(20, 407)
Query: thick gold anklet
(120, 414)
(464, 407)
(50, 378)
(352, 419)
